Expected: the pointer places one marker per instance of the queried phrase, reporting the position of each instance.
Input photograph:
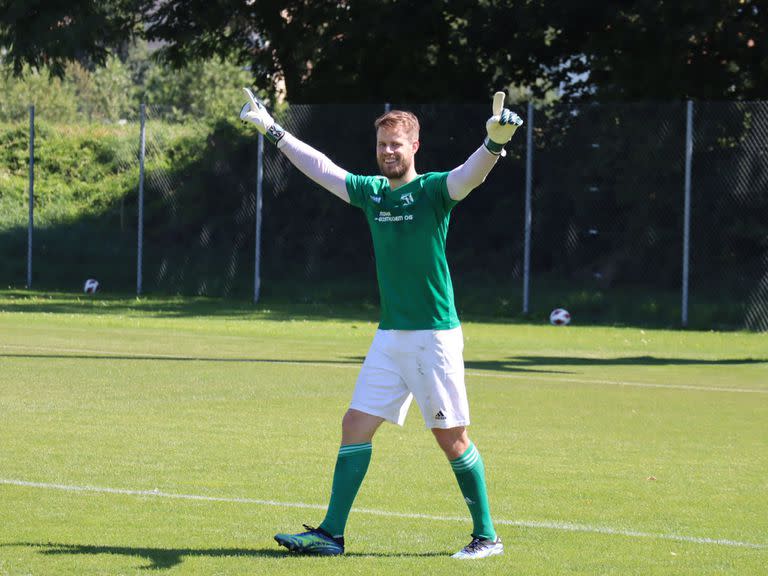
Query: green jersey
(409, 226)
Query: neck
(403, 180)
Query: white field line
(479, 373)
(563, 526)
(617, 383)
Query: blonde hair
(399, 119)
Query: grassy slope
(80, 169)
(177, 396)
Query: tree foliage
(422, 50)
(655, 49)
(51, 33)
(360, 50)
(202, 89)
(208, 89)
(52, 96)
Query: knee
(358, 427)
(453, 441)
(351, 421)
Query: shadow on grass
(502, 366)
(183, 307)
(525, 364)
(531, 363)
(164, 558)
(355, 360)
(345, 304)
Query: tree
(435, 49)
(51, 33)
(109, 92)
(52, 97)
(651, 49)
(201, 89)
(423, 50)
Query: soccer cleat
(313, 541)
(480, 548)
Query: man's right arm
(312, 163)
(315, 165)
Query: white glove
(255, 112)
(501, 126)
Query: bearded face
(395, 149)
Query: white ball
(91, 286)
(560, 317)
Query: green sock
(351, 466)
(470, 473)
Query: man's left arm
(465, 178)
(500, 127)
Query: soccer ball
(91, 286)
(560, 317)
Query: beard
(394, 171)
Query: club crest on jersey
(407, 199)
(376, 199)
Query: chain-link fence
(608, 210)
(14, 205)
(729, 229)
(199, 208)
(314, 246)
(83, 225)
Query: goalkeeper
(417, 349)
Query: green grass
(609, 450)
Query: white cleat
(480, 548)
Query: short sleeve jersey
(409, 227)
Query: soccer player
(417, 349)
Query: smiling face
(397, 140)
(395, 149)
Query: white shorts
(425, 364)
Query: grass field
(177, 436)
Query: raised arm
(314, 164)
(500, 127)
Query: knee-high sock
(351, 466)
(470, 473)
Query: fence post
(259, 190)
(528, 193)
(140, 226)
(687, 210)
(31, 224)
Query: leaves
(51, 33)
(420, 50)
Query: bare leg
(358, 427)
(453, 441)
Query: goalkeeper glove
(501, 126)
(255, 112)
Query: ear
(415, 145)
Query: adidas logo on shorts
(439, 415)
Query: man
(417, 349)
